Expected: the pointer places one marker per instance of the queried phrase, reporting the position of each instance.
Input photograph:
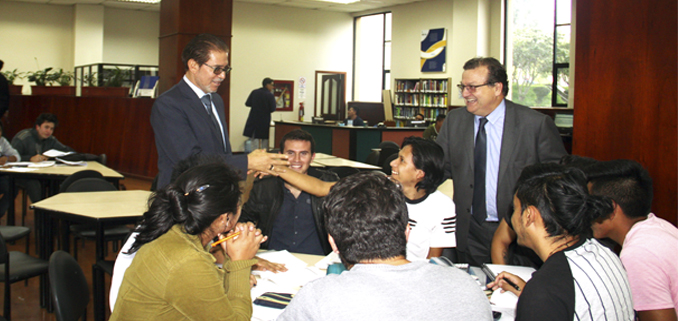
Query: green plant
(13, 75)
(40, 77)
(116, 77)
(90, 80)
(63, 78)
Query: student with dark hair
(4, 92)
(189, 119)
(291, 217)
(433, 130)
(173, 276)
(367, 223)
(649, 243)
(7, 154)
(431, 214)
(262, 103)
(31, 143)
(580, 279)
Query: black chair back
(343, 172)
(389, 144)
(373, 158)
(90, 185)
(386, 165)
(88, 173)
(386, 153)
(69, 287)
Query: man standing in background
(4, 92)
(262, 103)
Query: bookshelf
(429, 97)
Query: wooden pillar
(625, 89)
(180, 21)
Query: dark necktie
(479, 198)
(207, 102)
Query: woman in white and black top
(580, 279)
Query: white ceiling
(359, 6)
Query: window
(538, 51)
(372, 56)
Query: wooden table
(51, 177)
(101, 208)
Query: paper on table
(329, 259)
(70, 163)
(20, 169)
(297, 275)
(504, 302)
(55, 153)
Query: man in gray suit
(486, 145)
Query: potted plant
(11, 77)
(44, 80)
(113, 82)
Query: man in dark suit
(486, 145)
(189, 118)
(262, 103)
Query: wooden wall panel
(117, 127)
(625, 89)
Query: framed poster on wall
(283, 91)
(433, 50)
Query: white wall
(29, 31)
(285, 44)
(131, 37)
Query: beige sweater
(175, 278)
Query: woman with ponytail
(173, 275)
(580, 279)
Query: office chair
(386, 165)
(13, 233)
(388, 144)
(17, 266)
(373, 158)
(343, 172)
(113, 234)
(70, 291)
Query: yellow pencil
(226, 238)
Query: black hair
(46, 117)
(418, 114)
(496, 71)
(193, 161)
(356, 109)
(366, 215)
(266, 81)
(195, 200)
(625, 181)
(2, 64)
(560, 195)
(199, 49)
(428, 157)
(298, 134)
(441, 117)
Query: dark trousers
(478, 243)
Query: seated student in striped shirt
(580, 279)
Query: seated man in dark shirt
(31, 143)
(292, 219)
(352, 115)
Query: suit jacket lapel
(510, 136)
(195, 105)
(468, 139)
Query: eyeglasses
(472, 88)
(218, 70)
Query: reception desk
(353, 143)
